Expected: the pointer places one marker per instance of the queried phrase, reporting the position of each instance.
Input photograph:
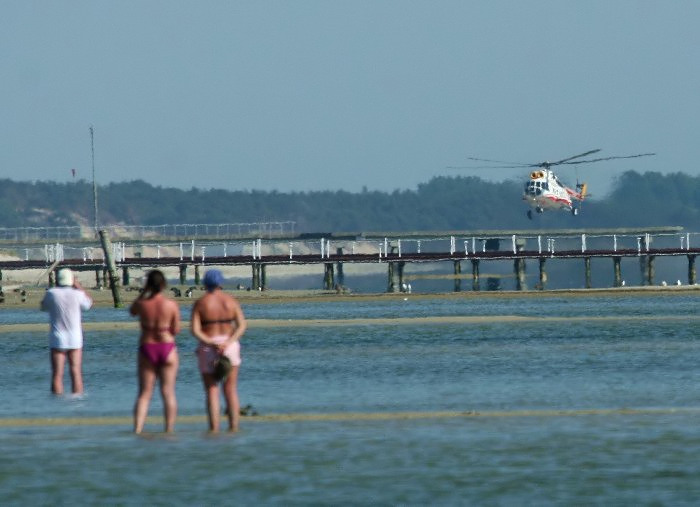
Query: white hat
(64, 277)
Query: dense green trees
(443, 203)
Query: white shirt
(65, 305)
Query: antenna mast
(94, 185)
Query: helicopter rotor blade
(505, 165)
(489, 166)
(575, 156)
(608, 158)
(517, 164)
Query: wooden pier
(394, 249)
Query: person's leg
(147, 380)
(211, 388)
(75, 359)
(231, 394)
(168, 374)
(58, 361)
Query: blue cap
(213, 279)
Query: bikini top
(219, 321)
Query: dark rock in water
(176, 292)
(248, 410)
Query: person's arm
(175, 321)
(45, 303)
(86, 300)
(240, 327)
(196, 326)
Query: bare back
(159, 318)
(217, 313)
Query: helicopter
(543, 189)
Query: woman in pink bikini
(218, 323)
(158, 358)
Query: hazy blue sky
(313, 95)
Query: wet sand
(383, 321)
(103, 298)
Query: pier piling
(476, 285)
(617, 272)
(339, 268)
(692, 278)
(328, 276)
(183, 274)
(543, 274)
(458, 275)
(587, 270)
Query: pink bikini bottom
(157, 353)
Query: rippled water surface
(545, 398)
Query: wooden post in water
(98, 282)
(52, 278)
(263, 276)
(617, 272)
(125, 276)
(458, 275)
(255, 282)
(587, 270)
(197, 278)
(692, 276)
(391, 285)
(111, 267)
(650, 270)
(476, 285)
(328, 278)
(339, 268)
(519, 264)
(400, 266)
(519, 268)
(183, 274)
(543, 273)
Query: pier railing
(144, 232)
(376, 249)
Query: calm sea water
(517, 374)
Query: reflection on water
(491, 366)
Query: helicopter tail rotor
(582, 188)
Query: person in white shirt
(65, 304)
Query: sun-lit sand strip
(350, 416)
(415, 321)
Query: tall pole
(94, 184)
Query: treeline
(443, 203)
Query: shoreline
(30, 297)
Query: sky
(344, 95)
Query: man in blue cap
(218, 323)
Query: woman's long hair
(155, 283)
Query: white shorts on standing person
(65, 304)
